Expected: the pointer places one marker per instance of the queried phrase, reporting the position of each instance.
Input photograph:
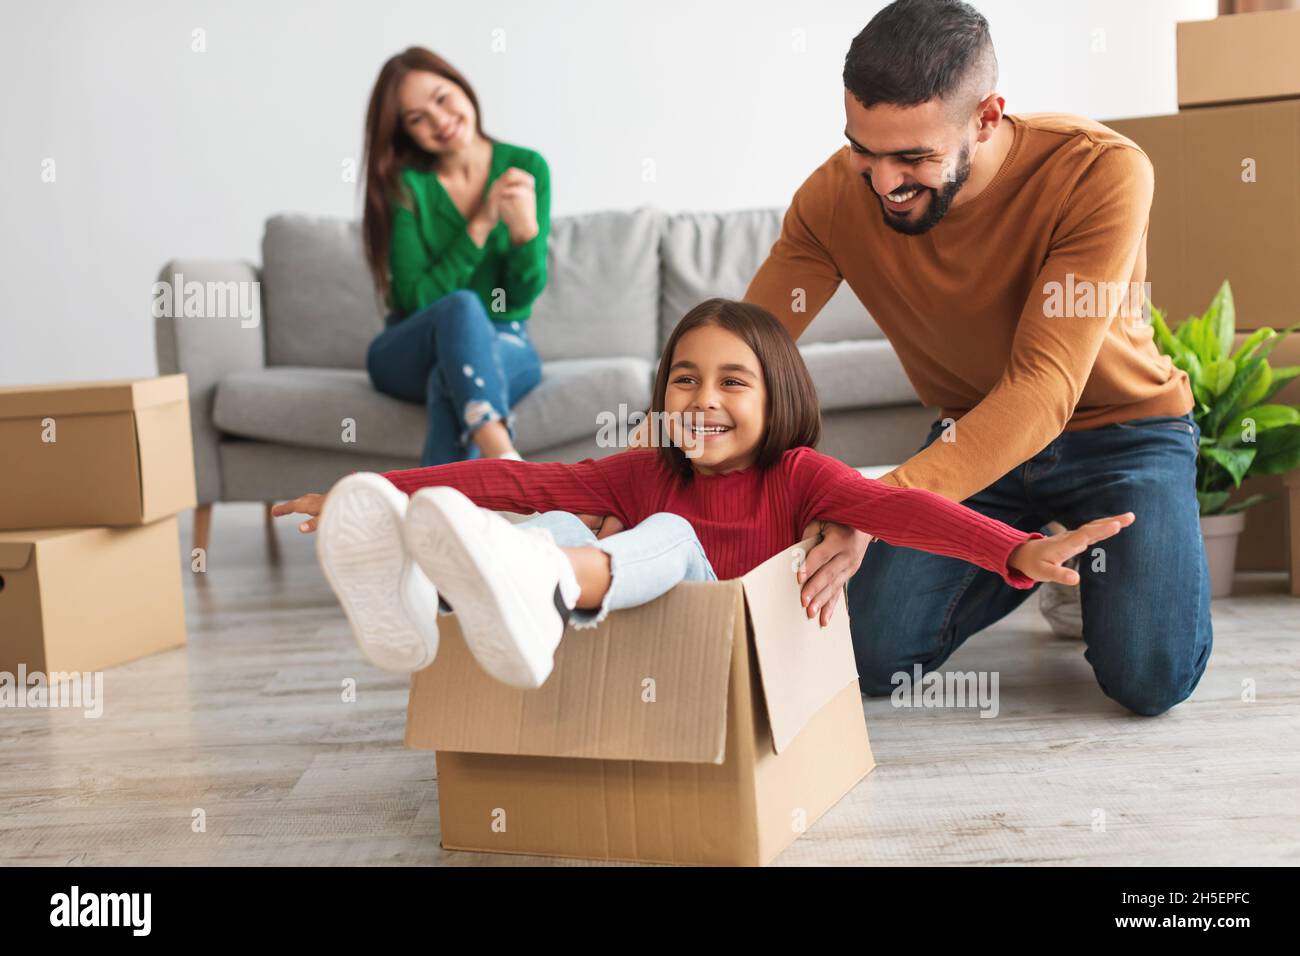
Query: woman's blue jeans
(644, 562)
(465, 368)
(1145, 592)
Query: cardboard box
(1263, 544)
(83, 599)
(711, 726)
(1239, 58)
(95, 453)
(1292, 484)
(1226, 206)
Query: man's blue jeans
(1145, 593)
(466, 369)
(644, 562)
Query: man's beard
(936, 208)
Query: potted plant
(1241, 433)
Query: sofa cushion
(296, 405)
(864, 374)
(319, 306)
(602, 287)
(717, 254)
(601, 296)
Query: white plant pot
(1220, 533)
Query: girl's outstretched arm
(592, 486)
(827, 488)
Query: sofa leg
(202, 525)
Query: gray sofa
(269, 394)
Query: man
(989, 248)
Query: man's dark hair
(913, 51)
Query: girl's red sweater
(743, 517)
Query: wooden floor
(247, 724)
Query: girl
(454, 228)
(735, 485)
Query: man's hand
(829, 565)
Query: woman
(455, 230)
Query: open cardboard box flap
(802, 664)
(650, 683)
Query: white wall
(161, 151)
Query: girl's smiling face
(716, 387)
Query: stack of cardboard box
(93, 475)
(1227, 206)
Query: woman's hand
(1041, 558)
(517, 204)
(829, 565)
(303, 505)
(490, 209)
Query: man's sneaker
(512, 588)
(391, 605)
(1060, 604)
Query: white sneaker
(1060, 604)
(391, 605)
(511, 588)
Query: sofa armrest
(207, 324)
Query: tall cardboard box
(1226, 206)
(1233, 59)
(82, 599)
(95, 453)
(1291, 484)
(711, 726)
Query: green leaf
(1219, 375)
(1248, 346)
(1272, 342)
(1244, 503)
(1190, 364)
(1277, 451)
(1211, 501)
(1264, 417)
(1230, 402)
(1235, 461)
(1221, 321)
(1164, 338)
(1282, 375)
(1204, 340)
(1257, 385)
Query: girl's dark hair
(389, 150)
(793, 413)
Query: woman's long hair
(792, 411)
(389, 150)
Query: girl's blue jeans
(465, 368)
(644, 562)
